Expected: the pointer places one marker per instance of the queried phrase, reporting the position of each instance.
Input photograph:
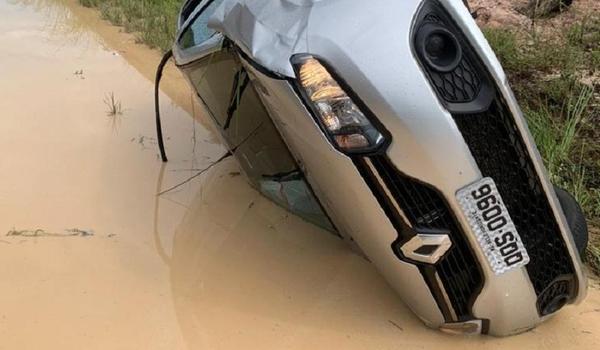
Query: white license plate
(495, 230)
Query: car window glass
(188, 8)
(198, 32)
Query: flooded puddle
(91, 257)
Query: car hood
(272, 31)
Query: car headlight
(339, 115)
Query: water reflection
(243, 270)
(69, 23)
(60, 21)
(245, 274)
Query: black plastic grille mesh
(459, 86)
(499, 150)
(425, 208)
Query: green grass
(153, 21)
(552, 74)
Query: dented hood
(268, 31)
(271, 31)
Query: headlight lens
(344, 122)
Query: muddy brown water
(96, 260)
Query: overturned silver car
(391, 124)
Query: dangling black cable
(159, 73)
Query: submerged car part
(401, 135)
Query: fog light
(439, 48)
(344, 122)
(556, 304)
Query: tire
(575, 219)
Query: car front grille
(500, 152)
(425, 208)
(489, 129)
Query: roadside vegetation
(153, 21)
(555, 72)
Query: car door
(213, 68)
